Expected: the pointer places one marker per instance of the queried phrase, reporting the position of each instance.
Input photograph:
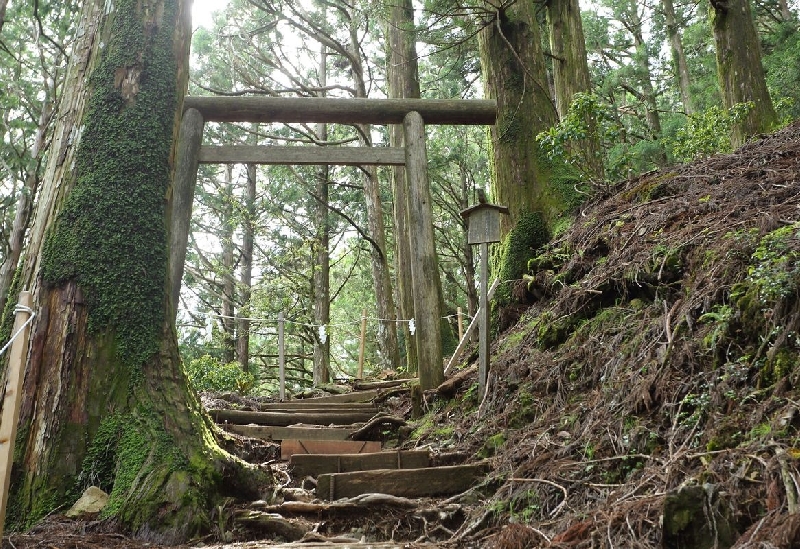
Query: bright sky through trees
(202, 10)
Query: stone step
(318, 464)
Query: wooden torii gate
(413, 114)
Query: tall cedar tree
(514, 74)
(739, 68)
(403, 82)
(106, 400)
(571, 70)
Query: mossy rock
(698, 517)
(519, 246)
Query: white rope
(19, 309)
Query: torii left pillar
(188, 159)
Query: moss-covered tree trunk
(571, 71)
(739, 68)
(522, 177)
(514, 75)
(106, 401)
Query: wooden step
(284, 419)
(317, 464)
(414, 483)
(366, 385)
(315, 405)
(269, 432)
(354, 545)
(355, 396)
(292, 447)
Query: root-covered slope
(649, 394)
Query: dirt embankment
(649, 395)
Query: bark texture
(403, 75)
(571, 71)
(106, 400)
(514, 75)
(322, 258)
(739, 68)
(681, 67)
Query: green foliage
(209, 374)
(707, 132)
(774, 266)
(720, 316)
(492, 445)
(781, 54)
(587, 119)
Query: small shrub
(707, 132)
(209, 374)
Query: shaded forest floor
(646, 390)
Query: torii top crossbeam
(342, 111)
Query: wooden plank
(314, 405)
(355, 396)
(291, 447)
(342, 110)
(344, 545)
(359, 385)
(269, 432)
(316, 464)
(284, 419)
(470, 330)
(427, 482)
(13, 396)
(305, 155)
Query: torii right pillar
(427, 286)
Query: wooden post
(362, 344)
(460, 324)
(470, 330)
(424, 264)
(483, 227)
(281, 357)
(188, 156)
(13, 397)
(483, 328)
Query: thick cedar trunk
(384, 300)
(106, 400)
(514, 75)
(678, 56)
(739, 68)
(571, 70)
(403, 80)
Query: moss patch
(110, 235)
